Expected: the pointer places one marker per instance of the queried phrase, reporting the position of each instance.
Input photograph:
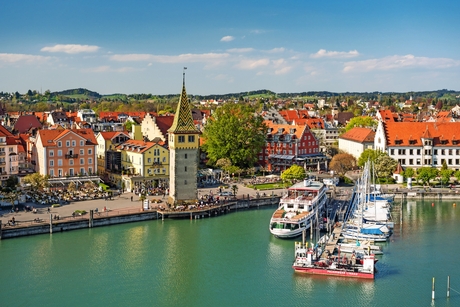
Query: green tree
(37, 181)
(457, 175)
(342, 163)
(409, 172)
(295, 172)
(361, 121)
(234, 189)
(368, 155)
(128, 125)
(426, 174)
(445, 175)
(235, 132)
(384, 166)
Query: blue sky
(141, 46)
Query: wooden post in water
(90, 224)
(432, 291)
(0, 229)
(448, 286)
(51, 223)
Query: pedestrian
(131, 198)
(48, 209)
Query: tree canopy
(37, 181)
(342, 163)
(361, 121)
(235, 132)
(425, 174)
(369, 155)
(295, 172)
(384, 165)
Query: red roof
(359, 134)
(411, 133)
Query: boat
(298, 208)
(307, 260)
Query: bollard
(432, 291)
(51, 223)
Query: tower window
(185, 169)
(186, 156)
(181, 139)
(191, 138)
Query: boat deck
(331, 244)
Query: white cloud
(106, 68)
(323, 53)
(276, 50)
(227, 38)
(240, 50)
(400, 61)
(18, 57)
(182, 58)
(252, 64)
(70, 48)
(256, 31)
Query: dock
(331, 244)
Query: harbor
(224, 261)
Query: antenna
(183, 75)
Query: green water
(227, 261)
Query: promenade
(115, 205)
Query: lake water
(231, 260)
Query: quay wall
(427, 195)
(59, 226)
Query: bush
(79, 212)
(55, 205)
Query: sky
(142, 46)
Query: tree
(12, 182)
(128, 125)
(384, 165)
(445, 175)
(235, 132)
(361, 121)
(234, 189)
(37, 181)
(368, 155)
(342, 163)
(409, 172)
(295, 172)
(425, 174)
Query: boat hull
(333, 272)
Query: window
(71, 162)
(90, 152)
(185, 181)
(52, 172)
(164, 159)
(82, 170)
(60, 162)
(59, 144)
(185, 169)
(90, 161)
(191, 138)
(435, 151)
(67, 143)
(82, 151)
(74, 143)
(449, 162)
(59, 153)
(90, 170)
(392, 151)
(71, 172)
(181, 139)
(185, 156)
(51, 162)
(149, 160)
(51, 153)
(82, 161)
(411, 161)
(82, 143)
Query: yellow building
(108, 158)
(145, 166)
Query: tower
(183, 153)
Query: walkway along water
(55, 223)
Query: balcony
(2, 153)
(73, 156)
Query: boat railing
(293, 219)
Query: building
(356, 140)
(156, 126)
(184, 153)
(420, 144)
(287, 145)
(108, 158)
(145, 165)
(9, 162)
(65, 152)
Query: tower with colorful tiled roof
(183, 149)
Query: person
(48, 209)
(131, 198)
(97, 211)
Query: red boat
(307, 261)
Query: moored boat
(298, 208)
(307, 260)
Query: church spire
(183, 120)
